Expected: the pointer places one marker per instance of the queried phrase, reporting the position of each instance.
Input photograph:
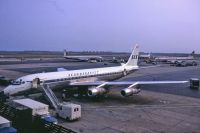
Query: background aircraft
(89, 58)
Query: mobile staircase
(51, 96)
(63, 110)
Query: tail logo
(134, 56)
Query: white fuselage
(74, 76)
(167, 58)
(84, 58)
(108, 73)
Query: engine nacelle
(92, 92)
(129, 91)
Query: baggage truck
(69, 111)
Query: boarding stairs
(50, 95)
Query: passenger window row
(78, 76)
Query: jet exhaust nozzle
(129, 91)
(92, 92)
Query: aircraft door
(125, 72)
(36, 83)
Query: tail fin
(133, 59)
(65, 53)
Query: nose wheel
(125, 72)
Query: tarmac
(157, 109)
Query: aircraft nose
(8, 90)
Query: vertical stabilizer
(65, 53)
(133, 59)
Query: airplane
(145, 56)
(175, 58)
(178, 61)
(148, 58)
(96, 80)
(89, 58)
(167, 58)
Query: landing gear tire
(125, 72)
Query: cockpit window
(15, 82)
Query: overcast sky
(102, 25)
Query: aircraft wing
(132, 83)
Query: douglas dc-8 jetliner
(96, 80)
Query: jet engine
(92, 92)
(129, 91)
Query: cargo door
(36, 83)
